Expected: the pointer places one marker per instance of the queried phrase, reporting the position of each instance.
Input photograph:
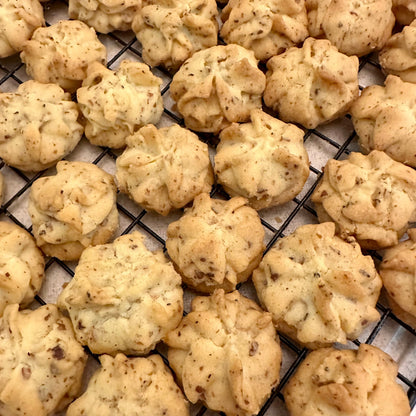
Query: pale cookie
(171, 31)
(105, 15)
(18, 20)
(398, 57)
(62, 52)
(226, 353)
(123, 297)
(73, 209)
(218, 86)
(335, 382)
(164, 169)
(216, 244)
(267, 27)
(311, 85)
(405, 11)
(372, 198)
(131, 386)
(385, 119)
(398, 270)
(355, 27)
(41, 362)
(264, 161)
(117, 103)
(319, 288)
(21, 266)
(39, 125)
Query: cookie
(21, 266)
(131, 386)
(105, 15)
(39, 125)
(385, 119)
(225, 353)
(2, 188)
(171, 31)
(405, 11)
(268, 28)
(264, 161)
(123, 297)
(340, 382)
(164, 169)
(319, 288)
(372, 198)
(398, 57)
(73, 209)
(216, 243)
(18, 20)
(218, 86)
(61, 53)
(311, 85)
(41, 362)
(355, 27)
(117, 103)
(397, 270)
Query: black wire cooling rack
(335, 140)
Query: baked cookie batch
(281, 67)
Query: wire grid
(335, 140)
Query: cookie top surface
(117, 103)
(21, 266)
(319, 288)
(131, 386)
(311, 85)
(73, 209)
(164, 169)
(267, 27)
(355, 27)
(398, 57)
(18, 20)
(218, 86)
(264, 161)
(385, 119)
(42, 363)
(62, 52)
(225, 353)
(39, 125)
(123, 297)
(405, 11)
(216, 244)
(338, 382)
(369, 197)
(171, 31)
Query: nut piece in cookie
(171, 31)
(319, 288)
(311, 85)
(62, 52)
(266, 27)
(398, 270)
(21, 266)
(164, 169)
(216, 243)
(117, 103)
(73, 209)
(405, 11)
(226, 353)
(41, 362)
(398, 57)
(355, 27)
(218, 86)
(123, 297)
(264, 161)
(131, 386)
(346, 382)
(372, 198)
(39, 125)
(385, 119)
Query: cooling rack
(335, 140)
